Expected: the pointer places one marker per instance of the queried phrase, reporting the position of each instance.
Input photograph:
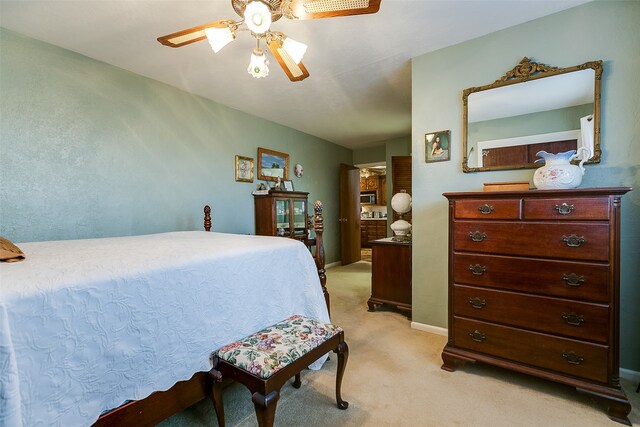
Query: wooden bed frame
(163, 404)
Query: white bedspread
(88, 324)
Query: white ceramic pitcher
(558, 172)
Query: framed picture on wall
(272, 165)
(244, 169)
(437, 146)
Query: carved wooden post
(318, 227)
(207, 218)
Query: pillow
(9, 252)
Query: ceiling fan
(257, 16)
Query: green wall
(364, 156)
(90, 150)
(599, 30)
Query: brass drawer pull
(574, 359)
(573, 279)
(477, 302)
(573, 318)
(573, 241)
(477, 336)
(564, 209)
(477, 236)
(485, 209)
(477, 269)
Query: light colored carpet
(393, 378)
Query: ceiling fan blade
(316, 9)
(295, 72)
(192, 35)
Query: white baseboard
(333, 264)
(628, 374)
(430, 328)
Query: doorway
(373, 206)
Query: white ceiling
(359, 91)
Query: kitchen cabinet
(372, 229)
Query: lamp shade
(296, 50)
(401, 202)
(258, 64)
(219, 37)
(257, 16)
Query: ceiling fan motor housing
(274, 5)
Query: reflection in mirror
(531, 108)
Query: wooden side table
(391, 275)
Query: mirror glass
(531, 108)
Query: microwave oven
(367, 198)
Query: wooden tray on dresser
(534, 286)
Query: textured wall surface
(599, 30)
(90, 150)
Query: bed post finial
(207, 218)
(318, 227)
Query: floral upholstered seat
(271, 349)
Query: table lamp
(401, 203)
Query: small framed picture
(437, 146)
(288, 185)
(244, 169)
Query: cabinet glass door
(299, 218)
(283, 222)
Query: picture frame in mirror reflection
(437, 146)
(244, 169)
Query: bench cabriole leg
(297, 383)
(343, 355)
(265, 407)
(216, 394)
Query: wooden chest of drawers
(533, 286)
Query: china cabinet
(282, 213)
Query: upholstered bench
(264, 361)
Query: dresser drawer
(563, 355)
(573, 319)
(566, 279)
(579, 208)
(487, 209)
(585, 241)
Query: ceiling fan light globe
(257, 16)
(258, 65)
(219, 37)
(295, 49)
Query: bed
(87, 325)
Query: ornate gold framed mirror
(533, 107)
